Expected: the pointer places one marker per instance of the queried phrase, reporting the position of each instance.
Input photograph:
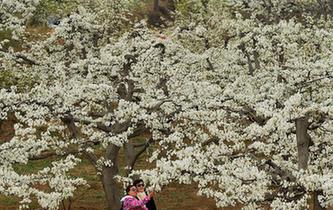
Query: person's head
(139, 184)
(131, 190)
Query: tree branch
(50, 154)
(132, 155)
(285, 175)
(69, 121)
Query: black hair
(128, 188)
(137, 181)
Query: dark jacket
(151, 204)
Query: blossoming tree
(236, 99)
(91, 88)
(266, 135)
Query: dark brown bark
(132, 153)
(277, 170)
(111, 187)
(316, 205)
(129, 157)
(7, 130)
(46, 155)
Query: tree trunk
(316, 204)
(132, 154)
(156, 5)
(111, 187)
(303, 143)
(129, 157)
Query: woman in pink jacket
(130, 202)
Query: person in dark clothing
(140, 186)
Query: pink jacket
(131, 203)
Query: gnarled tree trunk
(303, 143)
(111, 187)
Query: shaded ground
(7, 129)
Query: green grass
(12, 43)
(47, 8)
(85, 170)
(22, 80)
(8, 201)
(32, 166)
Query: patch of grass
(8, 201)
(47, 8)
(12, 43)
(32, 166)
(33, 206)
(86, 171)
(22, 80)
